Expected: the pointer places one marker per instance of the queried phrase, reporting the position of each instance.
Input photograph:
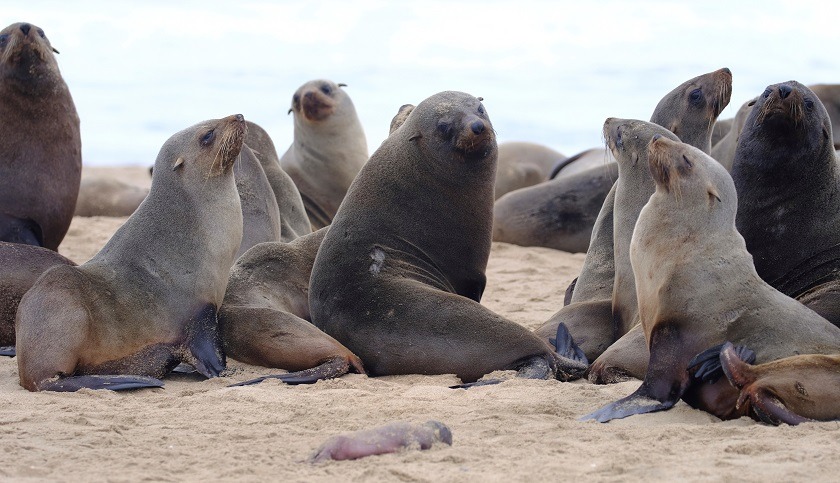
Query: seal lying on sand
(697, 287)
(147, 301)
(398, 278)
(40, 144)
(265, 314)
(102, 196)
(523, 164)
(328, 150)
(788, 181)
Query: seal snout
(475, 138)
(784, 91)
(477, 127)
(25, 28)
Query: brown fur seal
(721, 129)
(788, 181)
(329, 148)
(399, 276)
(101, 196)
(724, 151)
(265, 315)
(523, 164)
(389, 438)
(260, 215)
(829, 95)
(400, 117)
(556, 214)
(293, 219)
(40, 145)
(690, 108)
(697, 287)
(582, 161)
(20, 267)
(792, 390)
(148, 299)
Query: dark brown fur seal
(389, 438)
(399, 276)
(788, 181)
(265, 316)
(697, 287)
(523, 164)
(792, 390)
(329, 148)
(102, 196)
(20, 267)
(40, 145)
(147, 301)
(293, 219)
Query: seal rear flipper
(205, 344)
(570, 290)
(111, 382)
(19, 230)
(637, 403)
(8, 351)
(732, 361)
(565, 345)
(328, 370)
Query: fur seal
(792, 390)
(400, 117)
(265, 316)
(400, 274)
(690, 108)
(721, 129)
(293, 219)
(523, 164)
(788, 181)
(102, 196)
(40, 144)
(556, 214)
(260, 215)
(20, 267)
(829, 95)
(389, 438)
(328, 150)
(582, 161)
(697, 287)
(148, 299)
(724, 151)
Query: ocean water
(549, 71)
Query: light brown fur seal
(260, 215)
(102, 196)
(40, 144)
(147, 301)
(523, 164)
(328, 150)
(399, 276)
(697, 287)
(829, 95)
(724, 151)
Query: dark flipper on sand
(111, 382)
(706, 366)
(205, 344)
(8, 351)
(328, 370)
(572, 362)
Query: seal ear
(54, 49)
(713, 193)
(178, 163)
(341, 84)
(416, 136)
(290, 111)
(752, 102)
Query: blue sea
(549, 71)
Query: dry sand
(519, 430)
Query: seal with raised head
(697, 287)
(399, 276)
(328, 150)
(148, 300)
(522, 164)
(293, 219)
(724, 151)
(265, 316)
(788, 181)
(20, 267)
(40, 144)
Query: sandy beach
(519, 430)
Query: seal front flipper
(328, 370)
(8, 351)
(204, 343)
(707, 367)
(111, 382)
(18, 230)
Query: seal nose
(240, 117)
(477, 127)
(784, 91)
(25, 28)
(726, 69)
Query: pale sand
(519, 430)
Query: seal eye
(3, 39)
(208, 138)
(326, 89)
(481, 109)
(696, 96)
(41, 33)
(444, 128)
(766, 93)
(809, 104)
